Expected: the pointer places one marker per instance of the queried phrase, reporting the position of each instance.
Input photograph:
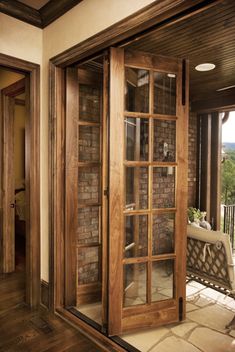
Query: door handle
(12, 205)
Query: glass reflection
(137, 90)
(136, 236)
(164, 93)
(89, 143)
(134, 284)
(136, 188)
(163, 233)
(164, 144)
(88, 185)
(88, 225)
(89, 103)
(137, 139)
(164, 187)
(162, 280)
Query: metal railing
(229, 222)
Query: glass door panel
(136, 240)
(136, 90)
(163, 233)
(136, 188)
(164, 93)
(89, 267)
(148, 171)
(136, 139)
(163, 187)
(85, 181)
(135, 284)
(162, 280)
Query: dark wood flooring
(23, 330)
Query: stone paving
(208, 312)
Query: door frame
(32, 175)
(7, 96)
(153, 17)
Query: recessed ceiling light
(205, 67)
(225, 88)
(171, 75)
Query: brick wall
(88, 220)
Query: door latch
(12, 205)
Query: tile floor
(208, 312)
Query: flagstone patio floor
(204, 330)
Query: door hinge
(183, 82)
(181, 301)
(106, 192)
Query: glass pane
(134, 284)
(89, 103)
(164, 187)
(88, 225)
(136, 236)
(88, 265)
(162, 280)
(163, 233)
(89, 143)
(164, 140)
(137, 139)
(137, 90)
(136, 188)
(164, 93)
(88, 185)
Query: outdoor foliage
(228, 178)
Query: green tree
(228, 179)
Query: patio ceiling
(206, 37)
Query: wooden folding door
(85, 185)
(148, 190)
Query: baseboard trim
(45, 294)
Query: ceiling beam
(54, 9)
(39, 18)
(21, 12)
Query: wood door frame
(7, 96)
(152, 17)
(32, 177)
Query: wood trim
(116, 189)
(205, 167)
(71, 185)
(38, 18)
(7, 185)
(20, 102)
(32, 71)
(56, 184)
(105, 185)
(55, 9)
(102, 341)
(182, 185)
(153, 16)
(216, 141)
(45, 293)
(15, 88)
(21, 12)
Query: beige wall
(20, 39)
(29, 43)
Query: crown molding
(38, 18)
